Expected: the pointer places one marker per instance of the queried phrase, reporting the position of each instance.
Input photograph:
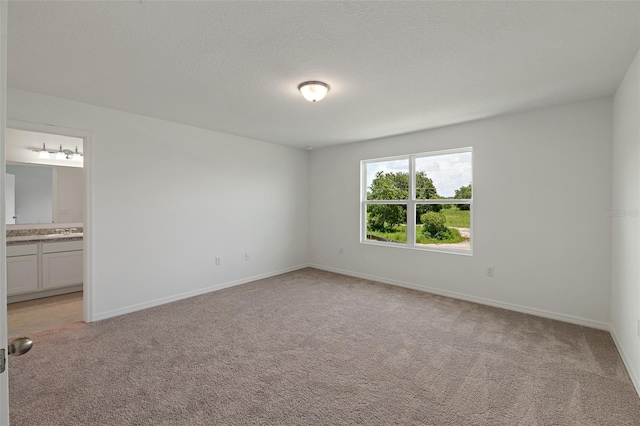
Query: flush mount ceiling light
(313, 91)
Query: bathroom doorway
(45, 229)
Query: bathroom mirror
(40, 194)
(42, 185)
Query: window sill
(429, 248)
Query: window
(431, 190)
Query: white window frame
(411, 203)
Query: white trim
(4, 377)
(423, 247)
(87, 231)
(421, 154)
(425, 201)
(181, 296)
(411, 207)
(635, 378)
(480, 300)
(363, 196)
(411, 202)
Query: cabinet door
(22, 274)
(61, 269)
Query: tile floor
(43, 314)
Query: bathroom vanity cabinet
(42, 269)
(22, 269)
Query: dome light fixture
(313, 91)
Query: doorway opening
(45, 199)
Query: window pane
(443, 176)
(388, 180)
(444, 225)
(387, 223)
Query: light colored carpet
(316, 348)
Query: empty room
(320, 213)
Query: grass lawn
(400, 236)
(457, 218)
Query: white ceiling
(392, 67)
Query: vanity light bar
(67, 154)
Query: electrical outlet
(246, 256)
(639, 328)
(341, 251)
(217, 261)
(63, 212)
(490, 271)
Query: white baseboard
(625, 359)
(169, 299)
(420, 287)
(481, 300)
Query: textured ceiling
(392, 67)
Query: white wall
(69, 194)
(167, 198)
(541, 184)
(625, 277)
(34, 193)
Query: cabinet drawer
(61, 246)
(61, 269)
(22, 250)
(22, 274)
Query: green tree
(387, 186)
(434, 226)
(395, 186)
(463, 192)
(425, 190)
(385, 217)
